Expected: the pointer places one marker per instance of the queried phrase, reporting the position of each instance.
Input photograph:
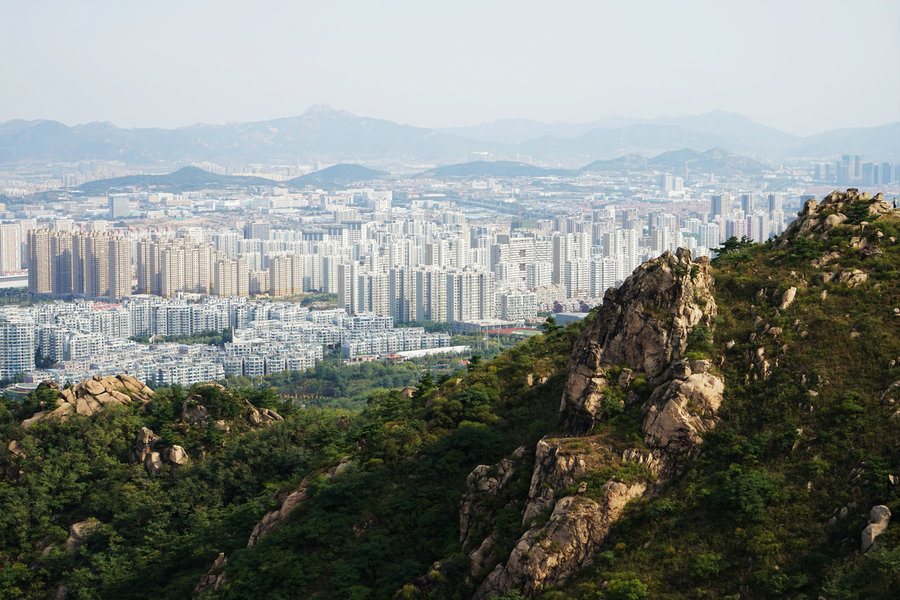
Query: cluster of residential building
(82, 338)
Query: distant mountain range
(322, 133)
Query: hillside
(498, 168)
(336, 175)
(186, 179)
(728, 429)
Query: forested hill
(728, 430)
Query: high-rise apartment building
(92, 265)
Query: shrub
(625, 589)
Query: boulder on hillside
(879, 517)
(79, 532)
(177, 455)
(143, 444)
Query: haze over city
(802, 67)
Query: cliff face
(643, 325)
(581, 483)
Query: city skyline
(170, 65)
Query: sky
(799, 66)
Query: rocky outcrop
(91, 396)
(263, 417)
(483, 482)
(879, 517)
(16, 449)
(642, 325)
(176, 455)
(143, 444)
(79, 532)
(215, 577)
(642, 329)
(271, 520)
(787, 298)
(679, 411)
(816, 219)
(153, 463)
(549, 554)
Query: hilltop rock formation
(641, 330)
(91, 395)
(837, 208)
(642, 325)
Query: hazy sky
(800, 66)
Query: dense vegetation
(771, 507)
(159, 535)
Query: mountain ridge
(340, 136)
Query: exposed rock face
(484, 481)
(176, 455)
(554, 469)
(215, 577)
(78, 532)
(816, 219)
(643, 325)
(16, 449)
(787, 298)
(271, 520)
(550, 554)
(263, 416)
(642, 329)
(153, 462)
(669, 423)
(879, 517)
(91, 395)
(143, 444)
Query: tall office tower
(10, 247)
(280, 276)
(243, 277)
(563, 250)
(40, 277)
(142, 263)
(16, 347)
(79, 264)
(346, 287)
(887, 173)
(776, 202)
(747, 204)
(720, 206)
(119, 267)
